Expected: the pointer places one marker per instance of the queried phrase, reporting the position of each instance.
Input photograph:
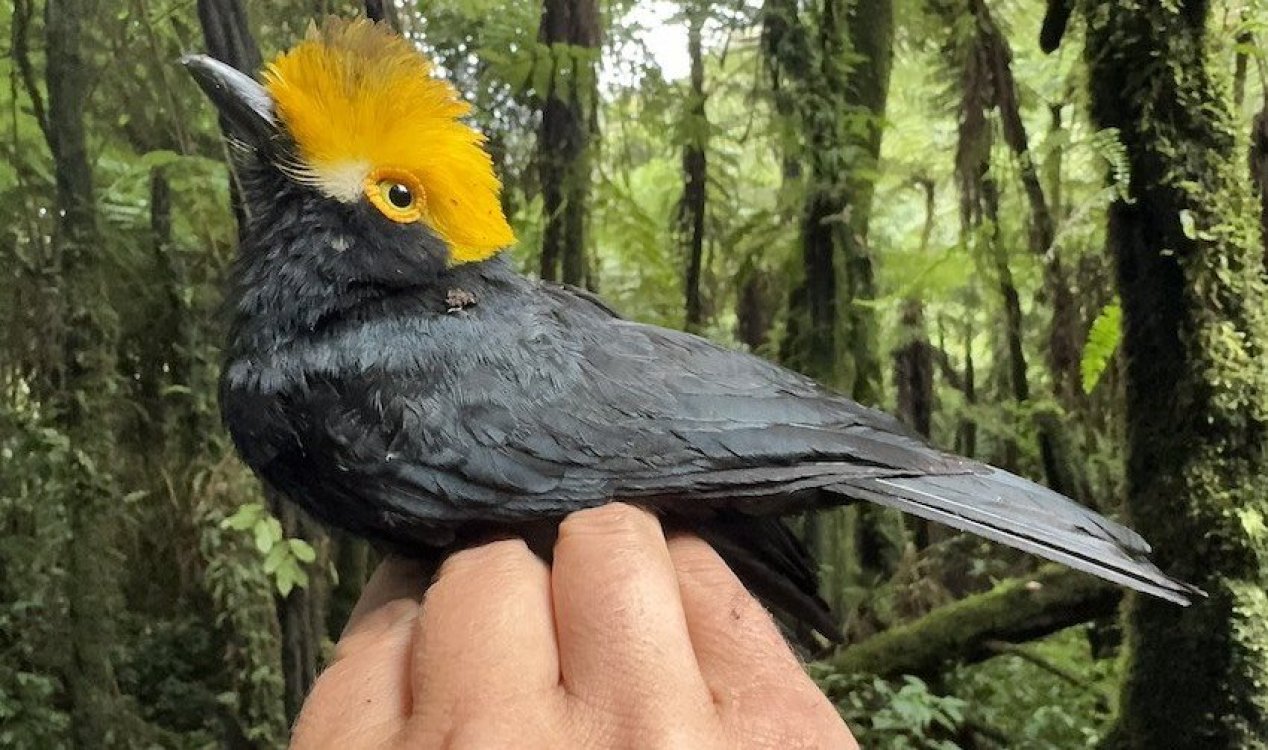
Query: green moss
(1190, 270)
(1052, 599)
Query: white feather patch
(344, 181)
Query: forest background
(1034, 230)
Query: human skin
(628, 640)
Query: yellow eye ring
(397, 196)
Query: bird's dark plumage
(423, 403)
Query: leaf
(264, 536)
(302, 550)
(244, 518)
(274, 559)
(285, 581)
(543, 70)
(1102, 342)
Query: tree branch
(1021, 652)
(1019, 610)
(22, 12)
(952, 375)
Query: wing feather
(565, 406)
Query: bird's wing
(578, 407)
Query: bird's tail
(1006, 508)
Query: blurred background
(1051, 261)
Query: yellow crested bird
(391, 373)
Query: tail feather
(1008, 509)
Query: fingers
(486, 632)
(363, 698)
(623, 643)
(396, 578)
(729, 629)
(763, 694)
(647, 643)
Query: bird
(390, 371)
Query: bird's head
(353, 120)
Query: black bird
(391, 373)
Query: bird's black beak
(243, 102)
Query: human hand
(628, 641)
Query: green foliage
(199, 561)
(1008, 701)
(283, 558)
(172, 674)
(1036, 708)
(241, 592)
(899, 715)
(1102, 342)
(36, 462)
(538, 71)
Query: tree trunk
(1065, 336)
(84, 329)
(301, 615)
(987, 83)
(570, 28)
(821, 73)
(153, 354)
(1018, 379)
(1064, 329)
(1245, 39)
(229, 40)
(1194, 304)
(809, 343)
(914, 357)
(755, 306)
(966, 383)
(870, 29)
(1259, 170)
(353, 562)
(810, 66)
(691, 208)
(913, 370)
(913, 380)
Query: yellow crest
(371, 121)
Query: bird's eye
(397, 196)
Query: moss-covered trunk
(1196, 320)
(965, 631)
(570, 28)
(695, 173)
(870, 30)
(830, 65)
(81, 400)
(913, 370)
